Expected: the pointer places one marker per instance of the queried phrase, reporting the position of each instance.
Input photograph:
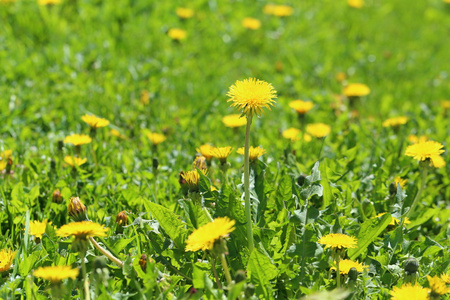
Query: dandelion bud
(393, 188)
(240, 276)
(200, 162)
(122, 218)
(301, 180)
(411, 265)
(353, 274)
(143, 262)
(57, 197)
(155, 163)
(77, 210)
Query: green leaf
(170, 222)
(368, 232)
(261, 270)
(327, 192)
(315, 174)
(284, 191)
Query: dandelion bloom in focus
(38, 228)
(192, 178)
(206, 150)
(234, 121)
(415, 139)
(427, 150)
(409, 292)
(251, 23)
(56, 274)
(401, 181)
(184, 13)
(251, 96)
(394, 221)
(356, 90)
(222, 153)
(82, 230)
(355, 3)
(204, 237)
(338, 241)
(254, 152)
(74, 161)
(95, 122)
(301, 107)
(177, 34)
(77, 139)
(346, 264)
(395, 122)
(6, 259)
(318, 130)
(438, 286)
(156, 138)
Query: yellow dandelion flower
(427, 150)
(204, 237)
(338, 240)
(38, 228)
(318, 130)
(222, 153)
(415, 139)
(49, 2)
(5, 156)
(401, 181)
(192, 178)
(177, 34)
(301, 107)
(77, 139)
(251, 23)
(117, 133)
(234, 121)
(269, 9)
(95, 122)
(7, 1)
(446, 278)
(74, 161)
(294, 134)
(445, 104)
(56, 274)
(437, 286)
(356, 90)
(184, 13)
(82, 230)
(394, 221)
(6, 259)
(254, 152)
(447, 1)
(280, 10)
(346, 264)
(409, 292)
(340, 76)
(156, 138)
(200, 162)
(395, 122)
(355, 3)
(206, 150)
(251, 96)
(145, 97)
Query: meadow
(224, 149)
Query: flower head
(156, 138)
(122, 219)
(445, 103)
(340, 76)
(395, 122)
(117, 133)
(318, 130)
(278, 10)
(251, 23)
(77, 139)
(6, 258)
(415, 139)
(200, 162)
(82, 230)
(204, 237)
(222, 153)
(254, 152)
(294, 134)
(56, 274)
(184, 13)
(409, 292)
(5, 159)
(251, 96)
(301, 107)
(346, 264)
(338, 241)
(446, 278)
(95, 122)
(177, 34)
(355, 3)
(38, 228)
(192, 178)
(401, 181)
(394, 221)
(74, 161)
(76, 209)
(356, 90)
(427, 150)
(206, 150)
(48, 2)
(234, 120)
(437, 286)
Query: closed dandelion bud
(143, 262)
(200, 163)
(240, 276)
(393, 188)
(411, 265)
(122, 218)
(368, 207)
(301, 180)
(353, 274)
(249, 290)
(77, 210)
(57, 197)
(155, 163)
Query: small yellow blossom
(200, 162)
(394, 221)
(427, 150)
(5, 158)
(77, 139)
(338, 241)
(156, 138)
(294, 134)
(301, 107)
(184, 13)
(355, 3)
(49, 2)
(318, 130)
(95, 122)
(409, 292)
(38, 228)
(251, 23)
(254, 152)
(206, 150)
(278, 10)
(445, 103)
(56, 274)
(74, 161)
(177, 34)
(446, 278)
(414, 139)
(356, 90)
(222, 153)
(192, 178)
(204, 237)
(82, 230)
(340, 76)
(401, 181)
(117, 133)
(6, 259)
(395, 122)
(438, 286)
(346, 264)
(234, 121)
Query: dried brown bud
(143, 262)
(122, 219)
(57, 197)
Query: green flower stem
(87, 294)
(213, 265)
(106, 252)
(247, 185)
(338, 275)
(423, 173)
(225, 269)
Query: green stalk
(423, 173)
(225, 269)
(106, 252)
(338, 275)
(247, 185)
(85, 279)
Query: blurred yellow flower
(200, 162)
(409, 292)
(438, 286)
(401, 181)
(77, 139)
(38, 228)
(278, 10)
(145, 97)
(346, 264)
(117, 133)
(56, 274)
(5, 156)
(301, 107)
(414, 139)
(82, 230)
(192, 178)
(206, 150)
(445, 103)
(251, 23)
(356, 90)
(204, 237)
(6, 259)
(49, 2)
(234, 120)
(427, 150)
(340, 76)
(318, 130)
(156, 138)
(177, 34)
(184, 13)
(222, 153)
(294, 134)
(95, 122)
(251, 96)
(395, 122)
(394, 221)
(446, 278)
(254, 152)
(338, 241)
(355, 3)
(74, 161)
